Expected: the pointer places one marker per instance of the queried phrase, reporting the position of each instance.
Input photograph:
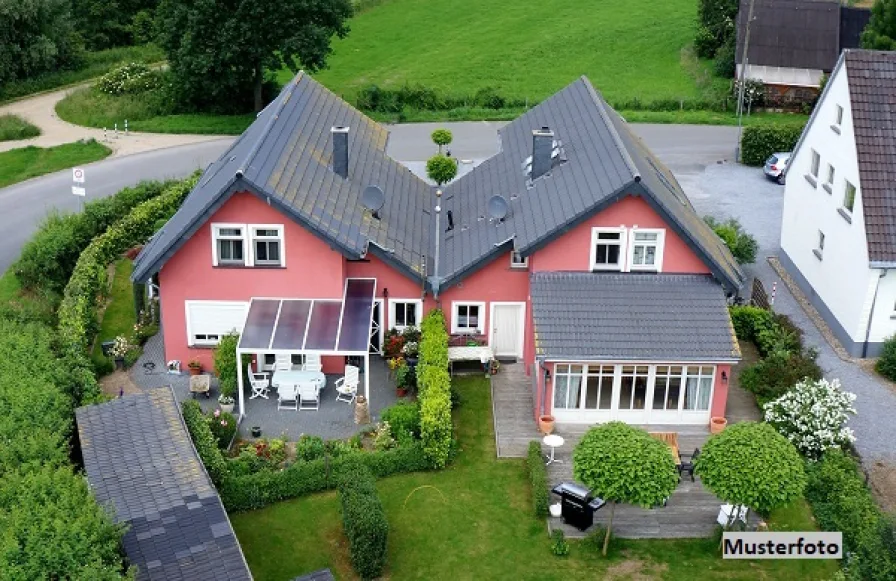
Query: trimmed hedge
(363, 519)
(49, 257)
(538, 478)
(436, 429)
(842, 502)
(78, 312)
(760, 141)
(886, 365)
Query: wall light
(724, 377)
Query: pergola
(311, 326)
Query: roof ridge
(284, 98)
(598, 100)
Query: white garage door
(208, 321)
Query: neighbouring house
(573, 250)
(838, 233)
(141, 464)
(793, 43)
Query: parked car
(775, 166)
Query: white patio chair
(730, 514)
(282, 363)
(347, 387)
(258, 381)
(313, 363)
(309, 396)
(288, 397)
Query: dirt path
(41, 111)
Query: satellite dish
(498, 207)
(373, 199)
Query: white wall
(842, 279)
(884, 323)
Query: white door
(507, 329)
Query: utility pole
(743, 73)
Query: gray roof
(872, 94)
(802, 34)
(140, 460)
(285, 156)
(626, 317)
(321, 575)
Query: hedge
(538, 478)
(78, 312)
(49, 257)
(760, 141)
(436, 429)
(363, 519)
(842, 502)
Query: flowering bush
(130, 78)
(410, 348)
(383, 439)
(120, 348)
(813, 416)
(223, 426)
(393, 343)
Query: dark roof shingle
(601, 316)
(140, 461)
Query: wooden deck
(513, 409)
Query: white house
(838, 235)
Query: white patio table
(297, 376)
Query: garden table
(297, 376)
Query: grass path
(21, 164)
(474, 521)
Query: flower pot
(401, 391)
(226, 407)
(412, 360)
(119, 363)
(717, 424)
(256, 431)
(556, 510)
(546, 424)
(195, 370)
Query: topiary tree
(226, 367)
(621, 463)
(441, 137)
(441, 169)
(742, 245)
(752, 465)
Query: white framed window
(229, 245)
(517, 261)
(820, 243)
(829, 182)
(568, 385)
(468, 317)
(698, 387)
(849, 197)
(598, 392)
(838, 117)
(647, 250)
(267, 245)
(404, 313)
(608, 249)
(816, 162)
(633, 387)
(667, 387)
(209, 321)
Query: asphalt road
(687, 149)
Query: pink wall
(572, 251)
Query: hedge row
(48, 259)
(78, 311)
(251, 491)
(760, 141)
(363, 519)
(538, 478)
(52, 527)
(436, 429)
(842, 502)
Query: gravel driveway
(728, 190)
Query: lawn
(13, 127)
(27, 162)
(120, 315)
(474, 521)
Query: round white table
(553, 441)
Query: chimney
(340, 151)
(542, 148)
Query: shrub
(559, 546)
(435, 389)
(739, 242)
(886, 365)
(404, 418)
(749, 320)
(223, 427)
(538, 478)
(131, 78)
(760, 141)
(225, 364)
(341, 448)
(383, 439)
(13, 127)
(364, 520)
(776, 374)
(441, 137)
(841, 502)
(132, 355)
(310, 448)
(723, 61)
(813, 416)
(705, 43)
(205, 442)
(441, 169)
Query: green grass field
(13, 127)
(120, 315)
(28, 162)
(474, 520)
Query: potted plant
(402, 378)
(717, 424)
(494, 366)
(195, 366)
(411, 349)
(119, 350)
(546, 424)
(393, 343)
(226, 402)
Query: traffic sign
(78, 175)
(79, 191)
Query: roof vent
(450, 215)
(340, 151)
(373, 198)
(498, 208)
(542, 148)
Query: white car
(775, 166)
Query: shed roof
(140, 460)
(582, 316)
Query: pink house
(573, 250)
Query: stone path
(513, 411)
(41, 111)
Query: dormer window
(647, 250)
(518, 261)
(607, 249)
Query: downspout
(883, 273)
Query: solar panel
(354, 334)
(324, 326)
(291, 325)
(259, 324)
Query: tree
(441, 137)
(739, 242)
(108, 23)
(716, 20)
(441, 169)
(219, 50)
(36, 37)
(880, 34)
(621, 463)
(751, 464)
